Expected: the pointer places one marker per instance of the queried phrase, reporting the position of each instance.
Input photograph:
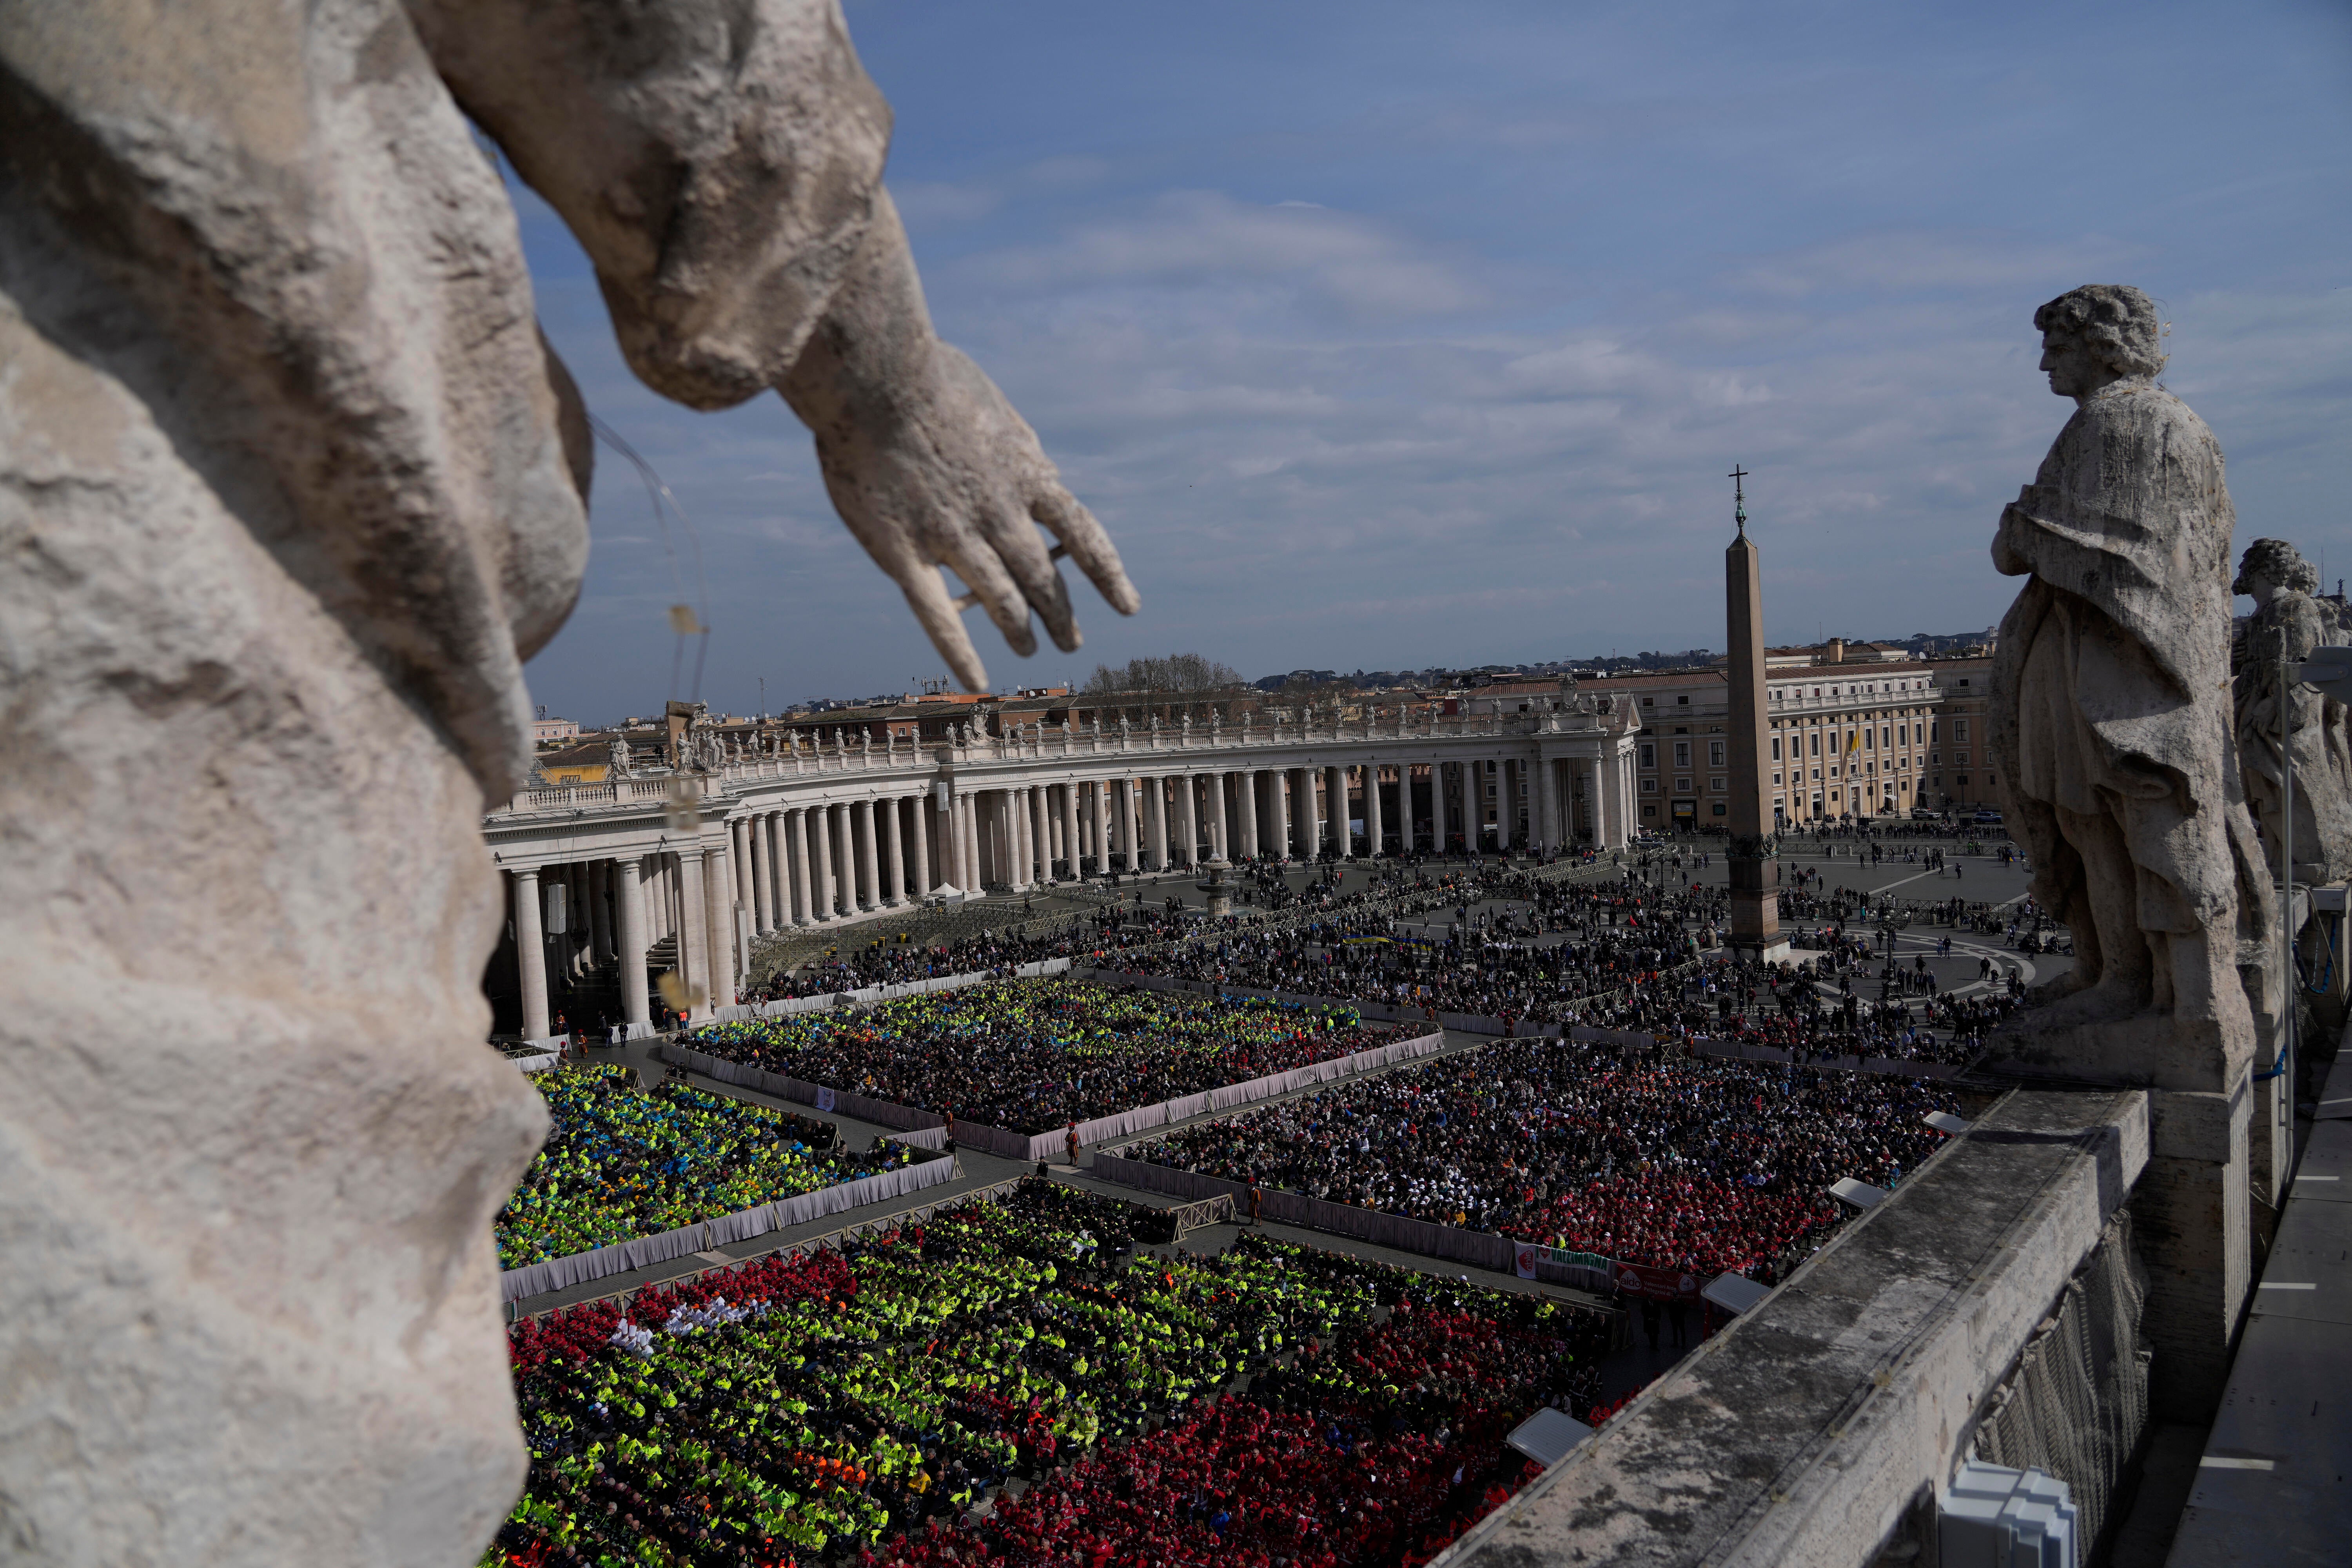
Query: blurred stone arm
(721, 165)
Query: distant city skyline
(1380, 331)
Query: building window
(1962, 758)
(1684, 702)
(1935, 758)
(1715, 754)
(1887, 735)
(1817, 775)
(1817, 742)
(1649, 808)
(1776, 780)
(1649, 753)
(1932, 736)
(1776, 748)
(1961, 779)
(1902, 734)
(1959, 730)
(1682, 754)
(1722, 809)
(1715, 787)
(1649, 701)
(1682, 786)
(1649, 786)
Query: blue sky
(1384, 334)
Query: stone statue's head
(2275, 561)
(2099, 333)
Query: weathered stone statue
(620, 757)
(2280, 581)
(2111, 736)
(2111, 722)
(289, 487)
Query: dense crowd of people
(1642, 1156)
(622, 1162)
(1259, 1407)
(1033, 1055)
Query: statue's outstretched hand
(931, 466)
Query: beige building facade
(1846, 740)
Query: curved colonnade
(650, 870)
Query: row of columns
(810, 865)
(624, 909)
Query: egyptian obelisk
(1752, 858)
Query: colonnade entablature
(694, 866)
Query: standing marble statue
(2112, 741)
(290, 485)
(2111, 717)
(2280, 581)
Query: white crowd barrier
(578, 1269)
(1143, 1119)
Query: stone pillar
(1155, 821)
(1335, 787)
(844, 876)
(694, 933)
(1129, 826)
(1220, 839)
(1187, 829)
(600, 908)
(780, 864)
(1070, 826)
(1041, 828)
(821, 867)
(629, 912)
(1375, 823)
(718, 915)
(869, 869)
(894, 893)
(1277, 812)
(796, 851)
(1548, 827)
(531, 954)
(919, 820)
(764, 882)
(971, 843)
(1245, 799)
(739, 848)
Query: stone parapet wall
(1820, 1426)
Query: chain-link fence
(2076, 1404)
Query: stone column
(1187, 829)
(1245, 799)
(919, 846)
(694, 933)
(739, 847)
(600, 908)
(844, 877)
(1070, 826)
(1129, 826)
(1375, 822)
(1041, 826)
(1335, 787)
(531, 954)
(870, 869)
(629, 912)
(796, 853)
(1277, 810)
(779, 869)
(1220, 836)
(1547, 831)
(971, 843)
(763, 883)
(895, 893)
(718, 915)
(1155, 824)
(821, 867)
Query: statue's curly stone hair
(2121, 325)
(2280, 562)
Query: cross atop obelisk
(1739, 498)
